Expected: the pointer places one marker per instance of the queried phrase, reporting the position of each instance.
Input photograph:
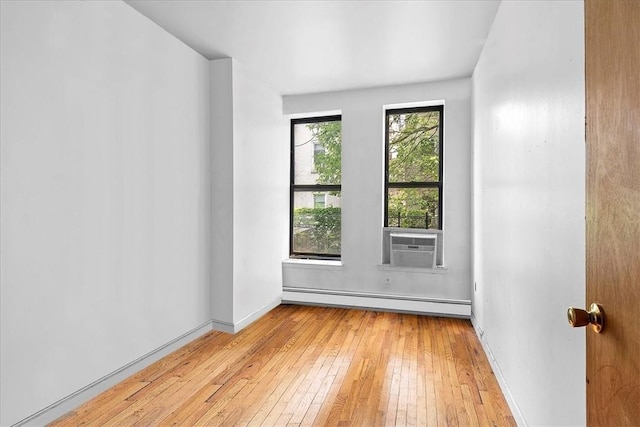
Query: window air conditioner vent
(413, 250)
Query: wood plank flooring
(302, 366)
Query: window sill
(311, 263)
(438, 270)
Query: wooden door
(612, 53)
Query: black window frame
(439, 185)
(308, 187)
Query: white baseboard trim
(222, 326)
(66, 404)
(232, 328)
(502, 382)
(373, 301)
(247, 320)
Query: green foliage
(418, 207)
(328, 164)
(414, 145)
(317, 230)
(406, 218)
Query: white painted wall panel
(104, 192)
(250, 181)
(261, 194)
(222, 137)
(529, 157)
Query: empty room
(355, 213)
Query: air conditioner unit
(413, 250)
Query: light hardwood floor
(313, 366)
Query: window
(318, 151)
(316, 170)
(319, 200)
(413, 167)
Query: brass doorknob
(595, 317)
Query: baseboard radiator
(373, 301)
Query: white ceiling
(318, 46)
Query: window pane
(413, 208)
(317, 153)
(414, 147)
(319, 200)
(316, 229)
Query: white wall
(222, 126)
(104, 193)
(529, 155)
(250, 147)
(261, 194)
(363, 193)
